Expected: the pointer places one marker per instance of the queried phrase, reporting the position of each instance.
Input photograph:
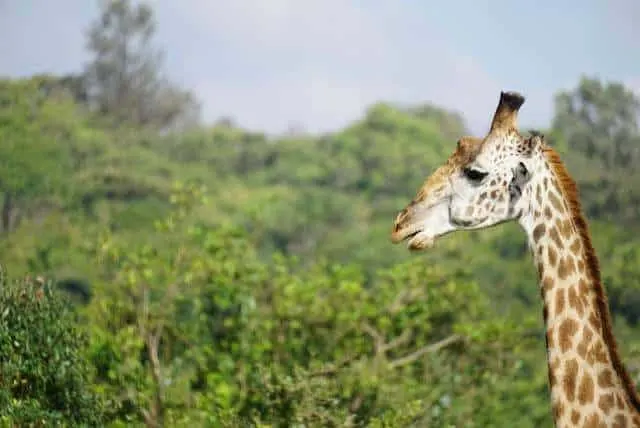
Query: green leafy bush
(45, 379)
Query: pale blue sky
(320, 63)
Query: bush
(44, 379)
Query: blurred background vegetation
(161, 272)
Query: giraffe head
(481, 184)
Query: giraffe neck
(589, 385)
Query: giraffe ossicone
(507, 176)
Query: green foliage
(45, 378)
(288, 345)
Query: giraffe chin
(421, 242)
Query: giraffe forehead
(495, 155)
(506, 146)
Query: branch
(404, 297)
(404, 337)
(398, 302)
(425, 350)
(377, 337)
(380, 344)
(155, 417)
(333, 368)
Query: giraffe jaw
(420, 241)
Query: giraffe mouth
(420, 225)
(412, 234)
(419, 240)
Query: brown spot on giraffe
(575, 417)
(566, 331)
(585, 390)
(565, 267)
(565, 228)
(606, 403)
(552, 378)
(549, 337)
(595, 322)
(583, 288)
(605, 379)
(599, 353)
(559, 224)
(593, 421)
(555, 236)
(620, 401)
(620, 421)
(552, 255)
(575, 246)
(569, 379)
(558, 410)
(560, 303)
(583, 346)
(581, 267)
(574, 301)
(556, 202)
(538, 232)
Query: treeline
(180, 274)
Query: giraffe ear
(505, 117)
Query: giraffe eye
(474, 174)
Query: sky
(318, 64)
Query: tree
(600, 120)
(598, 123)
(124, 79)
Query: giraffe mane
(571, 195)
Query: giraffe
(507, 176)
